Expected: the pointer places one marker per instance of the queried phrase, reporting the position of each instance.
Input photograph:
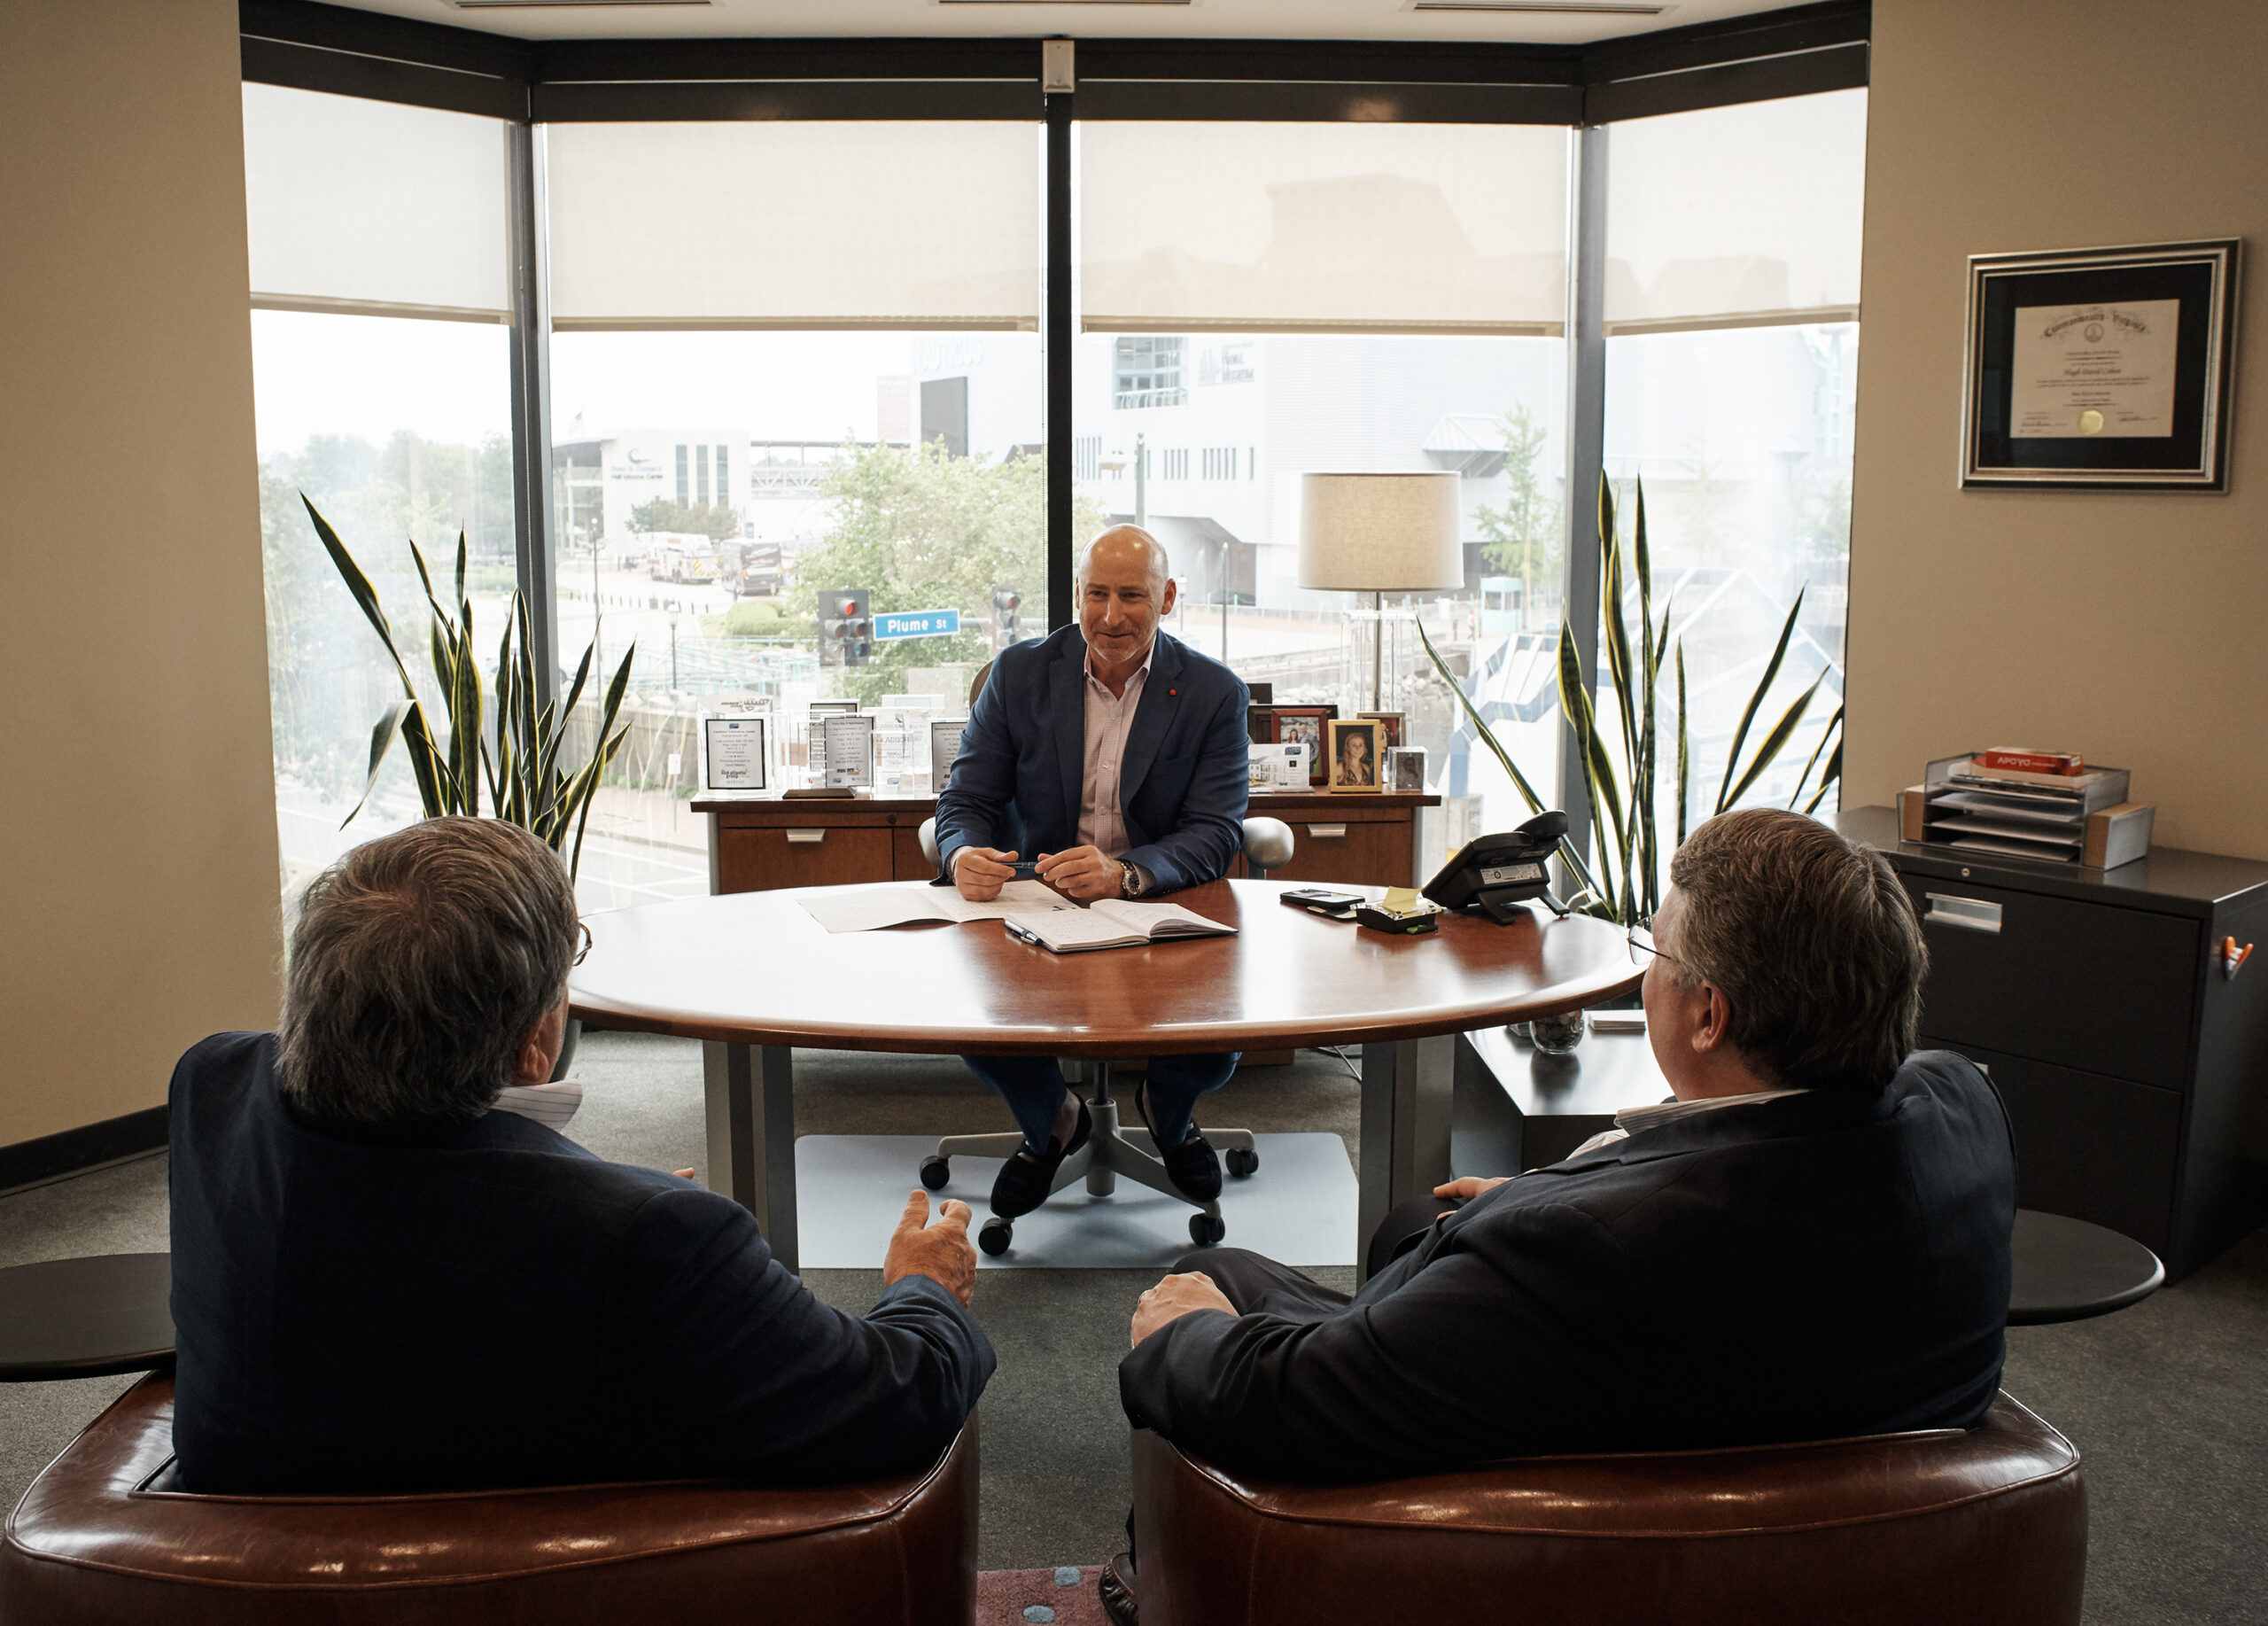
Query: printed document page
(1016, 898)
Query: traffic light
(846, 631)
(1007, 627)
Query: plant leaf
(382, 736)
(1684, 755)
(1833, 723)
(1827, 779)
(359, 587)
(1725, 796)
(1567, 854)
(1782, 732)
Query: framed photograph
(2094, 368)
(849, 746)
(1354, 760)
(1405, 767)
(1303, 725)
(733, 748)
(944, 745)
(1390, 734)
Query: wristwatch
(1129, 879)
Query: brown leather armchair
(1985, 1525)
(100, 1538)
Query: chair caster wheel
(1206, 1229)
(935, 1171)
(1242, 1163)
(996, 1235)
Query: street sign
(916, 623)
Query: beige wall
(2129, 628)
(138, 823)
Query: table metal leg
(1408, 1093)
(751, 1122)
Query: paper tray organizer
(2084, 820)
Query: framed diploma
(2101, 368)
(733, 747)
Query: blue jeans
(1033, 1087)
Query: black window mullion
(534, 521)
(1585, 447)
(1056, 347)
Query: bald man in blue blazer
(1116, 757)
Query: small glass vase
(1557, 1035)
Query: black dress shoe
(1115, 1586)
(1193, 1166)
(1025, 1180)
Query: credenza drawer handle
(806, 838)
(1948, 909)
(1327, 832)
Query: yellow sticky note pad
(1400, 899)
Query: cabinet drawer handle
(1948, 909)
(1327, 832)
(806, 838)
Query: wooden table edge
(1148, 1041)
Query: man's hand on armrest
(979, 873)
(942, 1252)
(1174, 1297)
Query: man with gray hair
(383, 1282)
(1809, 1240)
(1115, 758)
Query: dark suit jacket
(489, 1304)
(1806, 1268)
(1182, 789)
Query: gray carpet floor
(2168, 1401)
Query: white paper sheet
(1016, 898)
(871, 908)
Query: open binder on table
(1115, 922)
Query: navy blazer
(1812, 1267)
(1019, 778)
(488, 1304)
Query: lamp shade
(1381, 533)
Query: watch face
(1126, 879)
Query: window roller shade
(361, 205)
(1383, 228)
(1736, 216)
(835, 224)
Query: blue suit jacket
(1017, 783)
(487, 1304)
(1816, 1266)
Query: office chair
(1111, 1151)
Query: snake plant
(1621, 755)
(527, 786)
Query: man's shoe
(1193, 1166)
(1115, 1586)
(1026, 1179)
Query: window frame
(1800, 51)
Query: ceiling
(1301, 20)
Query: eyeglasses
(584, 953)
(1641, 941)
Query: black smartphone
(1322, 900)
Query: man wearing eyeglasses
(1808, 1240)
(392, 1273)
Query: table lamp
(1380, 533)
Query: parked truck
(679, 556)
(753, 569)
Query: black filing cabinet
(2131, 1060)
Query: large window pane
(1734, 214)
(816, 225)
(394, 428)
(1743, 440)
(905, 465)
(1340, 246)
(359, 201)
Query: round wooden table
(754, 975)
(87, 1318)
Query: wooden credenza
(760, 840)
